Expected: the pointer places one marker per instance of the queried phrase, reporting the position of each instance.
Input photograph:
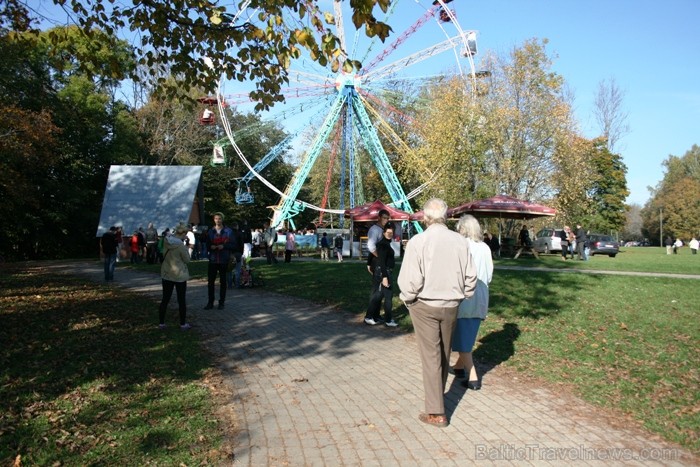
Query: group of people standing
(574, 241)
(326, 247)
(676, 245)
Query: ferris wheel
(345, 117)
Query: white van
(547, 241)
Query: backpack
(338, 242)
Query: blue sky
(650, 48)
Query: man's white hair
(435, 211)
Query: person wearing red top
(220, 248)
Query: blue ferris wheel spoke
(380, 159)
(289, 206)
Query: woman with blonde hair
(175, 274)
(472, 311)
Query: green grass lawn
(638, 259)
(88, 379)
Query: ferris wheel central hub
(347, 80)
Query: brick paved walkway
(312, 386)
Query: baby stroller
(249, 278)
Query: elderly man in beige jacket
(436, 275)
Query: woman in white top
(472, 310)
(175, 273)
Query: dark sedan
(603, 245)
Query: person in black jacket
(381, 267)
(234, 269)
(108, 248)
(564, 237)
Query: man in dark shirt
(108, 245)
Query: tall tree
(527, 115)
(609, 112)
(634, 224)
(253, 45)
(608, 188)
(452, 151)
(63, 174)
(504, 141)
(571, 180)
(676, 199)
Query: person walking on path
(381, 267)
(472, 311)
(374, 236)
(436, 275)
(220, 250)
(581, 239)
(175, 274)
(269, 239)
(108, 247)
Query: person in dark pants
(234, 274)
(381, 267)
(374, 236)
(289, 246)
(436, 275)
(175, 274)
(220, 250)
(564, 237)
(108, 245)
(269, 239)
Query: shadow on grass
(496, 347)
(532, 294)
(74, 351)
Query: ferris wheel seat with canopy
(356, 131)
(207, 117)
(244, 195)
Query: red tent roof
(369, 212)
(502, 206)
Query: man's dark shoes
(438, 420)
(221, 306)
(209, 306)
(458, 372)
(473, 385)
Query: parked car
(547, 241)
(629, 244)
(603, 245)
